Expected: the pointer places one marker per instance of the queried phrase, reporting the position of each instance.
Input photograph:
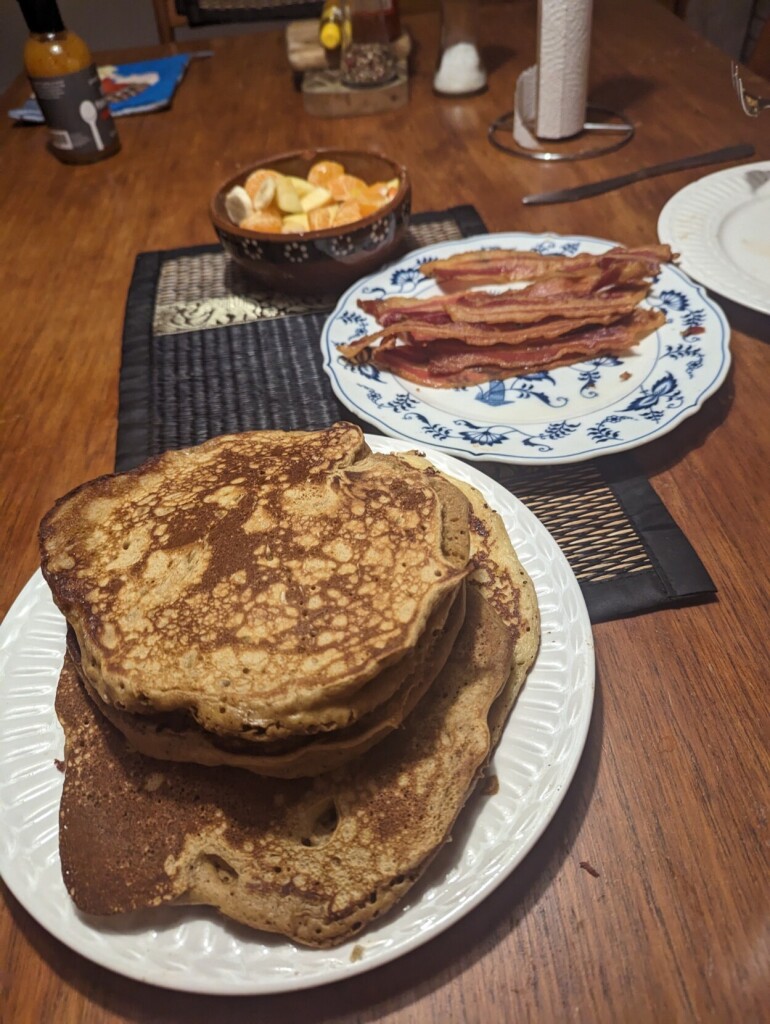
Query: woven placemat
(205, 353)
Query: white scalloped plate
(601, 406)
(193, 949)
(720, 226)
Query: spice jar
(460, 68)
(367, 59)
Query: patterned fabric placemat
(206, 353)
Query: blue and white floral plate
(577, 412)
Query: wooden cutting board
(324, 95)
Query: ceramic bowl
(327, 260)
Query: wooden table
(669, 804)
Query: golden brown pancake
(499, 575)
(253, 582)
(295, 758)
(315, 860)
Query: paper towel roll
(551, 96)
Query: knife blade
(596, 188)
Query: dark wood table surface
(669, 803)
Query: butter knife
(596, 188)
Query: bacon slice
(484, 318)
(419, 332)
(526, 304)
(391, 311)
(573, 308)
(496, 266)
(524, 307)
(451, 363)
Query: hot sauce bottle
(66, 83)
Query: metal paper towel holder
(620, 126)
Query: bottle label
(75, 111)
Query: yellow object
(296, 222)
(330, 25)
(330, 36)
(287, 204)
(301, 186)
(286, 196)
(318, 197)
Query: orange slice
(263, 220)
(346, 186)
(372, 198)
(384, 189)
(348, 212)
(324, 171)
(256, 178)
(321, 218)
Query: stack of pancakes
(288, 660)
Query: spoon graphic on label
(89, 114)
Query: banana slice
(238, 204)
(265, 194)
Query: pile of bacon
(575, 308)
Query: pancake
(315, 860)
(498, 574)
(177, 735)
(273, 739)
(295, 758)
(253, 582)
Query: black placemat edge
(680, 572)
(134, 397)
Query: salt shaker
(460, 68)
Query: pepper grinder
(367, 59)
(460, 68)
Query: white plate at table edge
(535, 762)
(709, 202)
(392, 412)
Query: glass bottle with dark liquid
(369, 28)
(66, 83)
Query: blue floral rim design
(603, 405)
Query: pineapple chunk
(302, 187)
(286, 196)
(295, 222)
(317, 197)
